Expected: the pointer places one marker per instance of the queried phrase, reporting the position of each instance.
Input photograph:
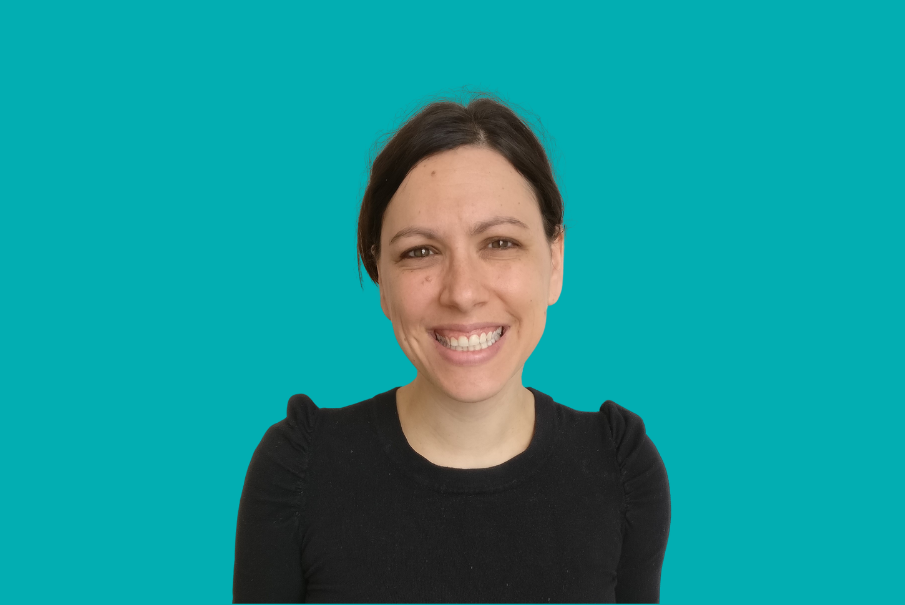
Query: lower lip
(470, 358)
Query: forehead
(465, 184)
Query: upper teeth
(474, 342)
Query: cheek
(525, 291)
(412, 294)
(523, 283)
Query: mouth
(476, 341)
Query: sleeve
(646, 507)
(268, 532)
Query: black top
(338, 507)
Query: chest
(381, 537)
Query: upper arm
(646, 510)
(268, 532)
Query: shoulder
(296, 428)
(623, 427)
(281, 457)
(639, 461)
(635, 452)
(301, 413)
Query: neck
(460, 434)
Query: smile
(475, 342)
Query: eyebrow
(476, 229)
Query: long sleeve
(646, 510)
(268, 533)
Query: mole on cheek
(433, 172)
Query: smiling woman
(463, 485)
(481, 267)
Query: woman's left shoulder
(636, 454)
(623, 426)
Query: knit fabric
(338, 508)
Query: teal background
(180, 186)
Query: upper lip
(467, 328)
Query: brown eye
(502, 244)
(418, 253)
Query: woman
(462, 486)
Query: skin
(481, 415)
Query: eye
(420, 252)
(502, 244)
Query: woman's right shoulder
(301, 413)
(290, 440)
(291, 436)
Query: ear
(557, 252)
(383, 302)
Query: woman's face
(463, 253)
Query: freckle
(433, 172)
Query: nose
(463, 282)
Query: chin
(469, 390)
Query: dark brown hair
(443, 125)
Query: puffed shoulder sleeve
(646, 506)
(268, 533)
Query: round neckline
(464, 480)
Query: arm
(645, 527)
(268, 542)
